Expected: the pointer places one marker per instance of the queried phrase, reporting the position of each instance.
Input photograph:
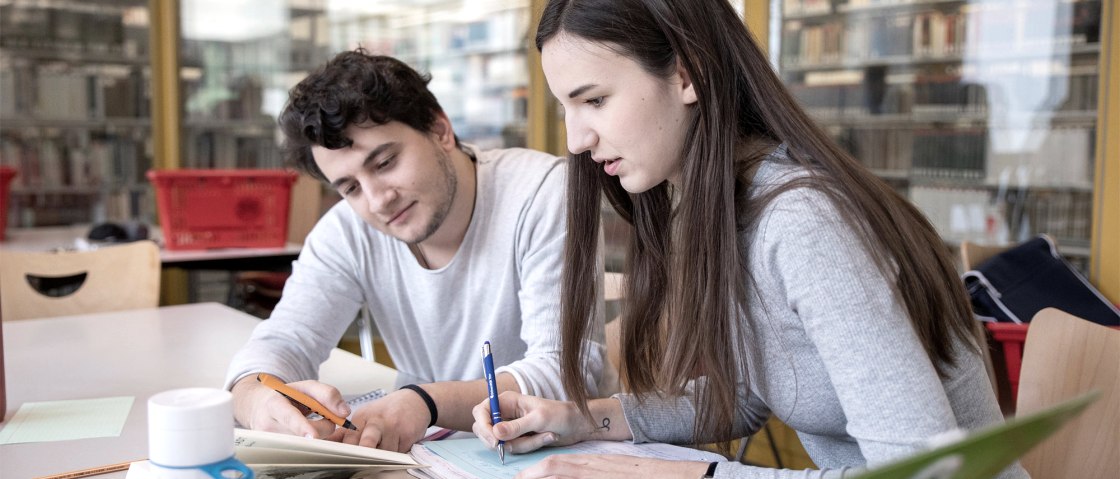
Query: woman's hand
(611, 466)
(532, 423)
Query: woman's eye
(348, 189)
(597, 101)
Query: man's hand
(258, 407)
(394, 422)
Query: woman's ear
(688, 92)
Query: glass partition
(982, 112)
(240, 57)
(75, 110)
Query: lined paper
(65, 420)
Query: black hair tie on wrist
(427, 400)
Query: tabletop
(132, 353)
(50, 238)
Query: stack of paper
(469, 458)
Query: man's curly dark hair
(353, 87)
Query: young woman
(769, 273)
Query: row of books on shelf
(243, 100)
(219, 150)
(977, 28)
(52, 210)
(88, 30)
(42, 92)
(1052, 158)
(871, 92)
(973, 214)
(62, 162)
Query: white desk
(67, 237)
(133, 353)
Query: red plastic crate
(1011, 336)
(6, 175)
(203, 209)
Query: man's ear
(688, 91)
(444, 134)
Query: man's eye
(386, 163)
(348, 189)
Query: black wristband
(427, 400)
(711, 470)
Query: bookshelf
(75, 118)
(235, 80)
(984, 114)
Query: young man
(447, 245)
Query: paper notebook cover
(267, 448)
(985, 453)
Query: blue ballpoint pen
(492, 388)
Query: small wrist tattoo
(606, 424)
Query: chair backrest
(612, 291)
(305, 209)
(115, 278)
(972, 254)
(1064, 357)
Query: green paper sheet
(66, 420)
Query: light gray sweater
(832, 351)
(502, 285)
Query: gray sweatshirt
(832, 352)
(502, 286)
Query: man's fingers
(326, 395)
(289, 418)
(323, 428)
(389, 440)
(339, 435)
(371, 436)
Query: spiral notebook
(356, 401)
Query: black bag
(1014, 285)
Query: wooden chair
(111, 278)
(972, 255)
(612, 291)
(1065, 357)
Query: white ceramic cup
(190, 435)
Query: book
(273, 456)
(282, 455)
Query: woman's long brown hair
(687, 285)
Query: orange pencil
(274, 383)
(93, 471)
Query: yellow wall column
(167, 117)
(1104, 268)
(166, 104)
(546, 129)
(756, 14)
